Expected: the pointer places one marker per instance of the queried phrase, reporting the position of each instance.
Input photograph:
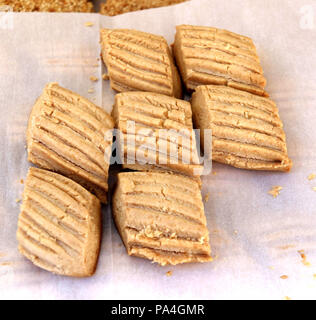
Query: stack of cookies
(157, 204)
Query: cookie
(72, 136)
(59, 226)
(156, 132)
(208, 55)
(160, 217)
(246, 129)
(139, 61)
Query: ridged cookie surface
(139, 61)
(208, 55)
(70, 135)
(246, 129)
(59, 226)
(157, 132)
(160, 216)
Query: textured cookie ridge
(139, 61)
(207, 55)
(160, 217)
(72, 136)
(246, 129)
(156, 133)
(59, 225)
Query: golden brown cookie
(157, 133)
(49, 5)
(246, 129)
(59, 226)
(116, 7)
(70, 135)
(160, 216)
(208, 55)
(139, 61)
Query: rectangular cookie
(116, 7)
(139, 61)
(208, 55)
(70, 135)
(246, 129)
(160, 217)
(59, 227)
(156, 133)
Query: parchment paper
(255, 238)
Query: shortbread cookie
(246, 129)
(72, 136)
(208, 55)
(59, 226)
(49, 5)
(156, 132)
(116, 7)
(160, 216)
(139, 61)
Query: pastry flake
(208, 55)
(70, 135)
(157, 133)
(256, 141)
(59, 227)
(139, 61)
(160, 217)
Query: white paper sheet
(255, 238)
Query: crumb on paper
(169, 273)
(89, 24)
(22, 181)
(287, 298)
(314, 188)
(207, 197)
(93, 78)
(286, 247)
(6, 263)
(275, 191)
(95, 65)
(271, 267)
(214, 173)
(18, 200)
(284, 277)
(91, 90)
(235, 231)
(312, 176)
(304, 259)
(105, 76)
(314, 276)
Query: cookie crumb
(287, 298)
(314, 188)
(17, 200)
(105, 76)
(89, 24)
(275, 191)
(91, 90)
(169, 273)
(22, 181)
(214, 173)
(284, 277)
(207, 197)
(304, 260)
(93, 78)
(235, 231)
(312, 176)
